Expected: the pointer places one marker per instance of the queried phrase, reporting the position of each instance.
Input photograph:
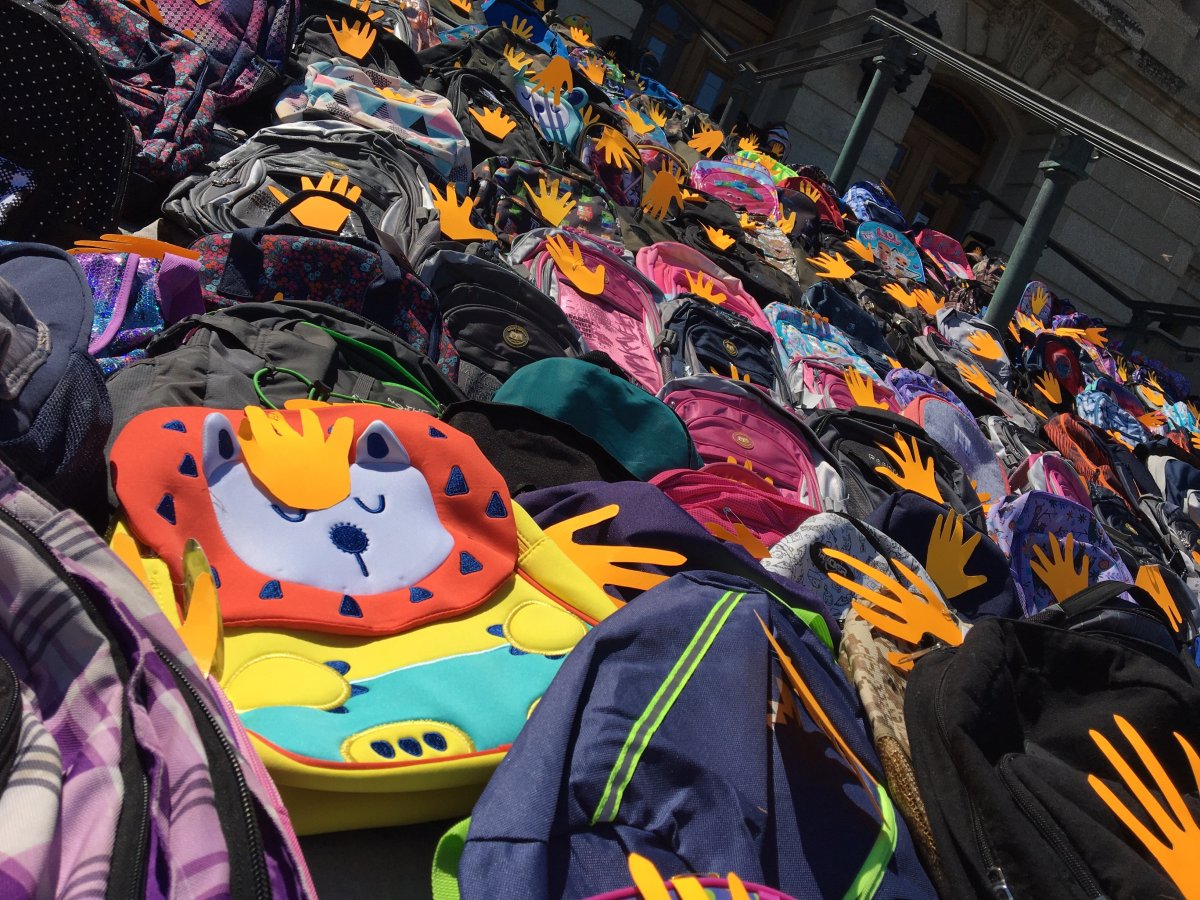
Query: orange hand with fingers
(897, 292)
(706, 141)
(664, 190)
(828, 265)
(516, 59)
(1057, 571)
(983, 345)
(552, 205)
(747, 223)
(977, 378)
(520, 27)
(861, 389)
(128, 243)
(589, 116)
(569, 260)
(593, 69)
(718, 238)
(1033, 409)
(703, 286)
(493, 121)
(896, 610)
(555, 79)
(930, 304)
(1038, 300)
(635, 119)
(616, 148)
(787, 223)
(740, 535)
(364, 6)
(602, 562)
(463, 6)
(1119, 438)
(1153, 419)
(1027, 323)
(321, 213)
(657, 115)
(1047, 385)
(1176, 845)
(354, 40)
(1093, 335)
(915, 474)
(948, 554)
(455, 217)
(854, 245)
(1149, 579)
(748, 144)
(581, 37)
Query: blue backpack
(707, 730)
(1099, 409)
(871, 203)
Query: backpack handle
(300, 196)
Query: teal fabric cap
(637, 428)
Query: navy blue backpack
(705, 728)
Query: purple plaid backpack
(121, 774)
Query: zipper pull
(999, 884)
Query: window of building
(709, 91)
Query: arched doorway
(947, 143)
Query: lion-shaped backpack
(388, 617)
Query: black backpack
(472, 89)
(496, 318)
(1012, 443)
(1001, 733)
(854, 437)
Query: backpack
(1080, 445)
(843, 313)
(175, 67)
(1135, 539)
(495, 318)
(961, 329)
(803, 333)
(294, 265)
(1049, 472)
(422, 121)
(732, 421)
(871, 202)
(678, 269)
(821, 384)
(699, 337)
(124, 772)
(1012, 443)
(254, 182)
(1022, 522)
(908, 386)
(959, 435)
(1103, 412)
(855, 438)
(1178, 482)
(268, 353)
(622, 321)
(341, 648)
(59, 174)
(701, 637)
(1021, 731)
(503, 188)
(722, 496)
(473, 94)
(744, 187)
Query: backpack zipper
(133, 883)
(1050, 833)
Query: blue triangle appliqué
(272, 590)
(350, 607)
(456, 484)
(467, 564)
(339, 665)
(176, 425)
(216, 577)
(417, 594)
(166, 508)
(188, 466)
(496, 508)
(434, 433)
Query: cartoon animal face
(384, 536)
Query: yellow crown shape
(702, 286)
(719, 238)
(304, 470)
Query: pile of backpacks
(409, 414)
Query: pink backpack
(623, 321)
(674, 268)
(744, 187)
(734, 422)
(722, 495)
(1051, 473)
(820, 383)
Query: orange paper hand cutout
(128, 243)
(1058, 571)
(455, 217)
(854, 245)
(718, 238)
(984, 346)
(1033, 409)
(787, 223)
(927, 301)
(493, 121)
(635, 120)
(463, 6)
(983, 497)
(977, 378)
(1027, 323)
(364, 6)
(646, 879)
(657, 115)
(616, 148)
(581, 37)
(916, 474)
(555, 78)
(1093, 335)
(1153, 419)
(706, 141)
(1176, 844)
(861, 389)
(1149, 579)
(593, 69)
(1047, 385)
(740, 535)
(553, 206)
(748, 143)
(1038, 300)
(569, 260)
(900, 295)
(520, 27)
(149, 7)
(664, 190)
(1151, 395)
(1120, 439)
(702, 286)
(814, 194)
(831, 266)
(600, 561)
(948, 554)
(895, 609)
(321, 213)
(747, 223)
(516, 59)
(354, 40)
(1195, 438)
(589, 116)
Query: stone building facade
(1133, 65)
